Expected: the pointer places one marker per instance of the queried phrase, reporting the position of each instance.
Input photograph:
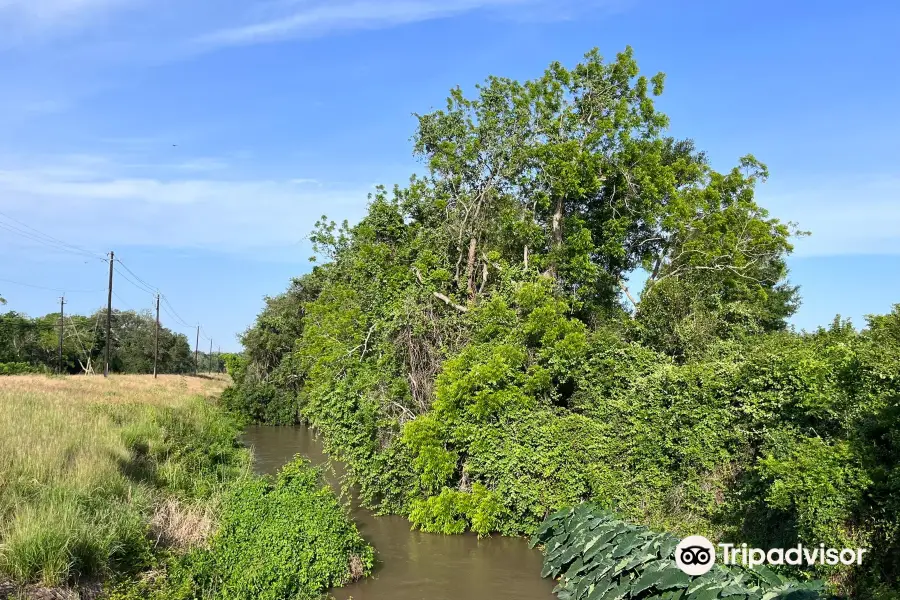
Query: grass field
(96, 474)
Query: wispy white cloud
(183, 28)
(199, 164)
(307, 19)
(844, 217)
(251, 216)
(22, 18)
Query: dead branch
(450, 302)
(470, 268)
(624, 288)
(404, 409)
(439, 295)
(366, 343)
(484, 277)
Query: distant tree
(36, 342)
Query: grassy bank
(144, 482)
(97, 474)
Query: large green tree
(572, 174)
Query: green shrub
(21, 368)
(236, 366)
(261, 403)
(285, 538)
(454, 511)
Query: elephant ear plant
(596, 556)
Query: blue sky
(201, 140)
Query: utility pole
(197, 351)
(210, 356)
(62, 302)
(156, 343)
(112, 257)
(218, 355)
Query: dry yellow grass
(80, 459)
(181, 526)
(166, 390)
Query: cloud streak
(20, 18)
(321, 18)
(248, 216)
(196, 204)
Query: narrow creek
(413, 565)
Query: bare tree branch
(624, 288)
(439, 295)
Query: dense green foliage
(35, 341)
(596, 556)
(21, 368)
(472, 351)
(286, 537)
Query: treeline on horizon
(32, 345)
(472, 349)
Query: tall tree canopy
(572, 174)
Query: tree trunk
(556, 233)
(470, 268)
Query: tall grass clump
(87, 464)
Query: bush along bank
(277, 538)
(596, 556)
(472, 352)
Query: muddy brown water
(413, 565)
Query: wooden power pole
(156, 340)
(112, 258)
(197, 351)
(62, 303)
(210, 356)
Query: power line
(153, 288)
(41, 237)
(34, 238)
(137, 285)
(50, 238)
(123, 302)
(177, 325)
(176, 315)
(40, 287)
(147, 287)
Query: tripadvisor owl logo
(695, 555)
